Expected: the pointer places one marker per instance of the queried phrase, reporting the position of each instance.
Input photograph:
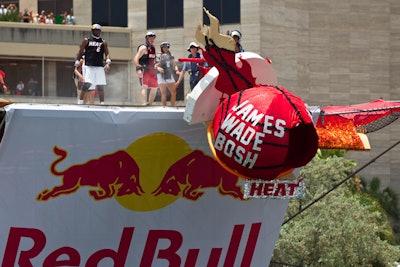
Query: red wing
(344, 127)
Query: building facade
(327, 52)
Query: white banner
(111, 186)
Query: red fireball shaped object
(262, 132)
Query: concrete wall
(60, 41)
(339, 53)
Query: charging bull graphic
(115, 174)
(198, 171)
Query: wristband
(139, 68)
(108, 61)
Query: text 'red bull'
(13, 256)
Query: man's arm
(106, 51)
(141, 51)
(81, 50)
(107, 54)
(3, 84)
(78, 74)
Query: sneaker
(80, 102)
(102, 103)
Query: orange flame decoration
(345, 127)
(343, 136)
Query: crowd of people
(12, 13)
(154, 70)
(160, 70)
(11, 8)
(20, 89)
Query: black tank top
(148, 60)
(94, 52)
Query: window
(21, 70)
(227, 11)
(55, 77)
(164, 14)
(55, 6)
(110, 12)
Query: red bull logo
(151, 173)
(116, 174)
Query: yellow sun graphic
(154, 154)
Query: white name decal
(240, 125)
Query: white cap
(96, 27)
(192, 44)
(236, 33)
(150, 34)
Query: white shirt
(3, 10)
(20, 87)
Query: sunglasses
(151, 36)
(165, 44)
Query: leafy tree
(342, 229)
(327, 153)
(387, 199)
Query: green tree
(387, 199)
(339, 230)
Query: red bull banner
(113, 186)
